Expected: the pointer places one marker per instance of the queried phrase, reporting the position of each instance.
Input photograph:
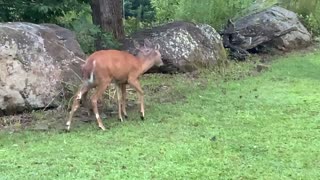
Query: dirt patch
(36, 120)
(55, 119)
(16, 121)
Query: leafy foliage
(133, 24)
(36, 11)
(138, 14)
(211, 12)
(86, 32)
(72, 14)
(76, 14)
(139, 9)
(165, 9)
(254, 7)
(216, 12)
(309, 11)
(312, 21)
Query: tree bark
(108, 15)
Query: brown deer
(106, 66)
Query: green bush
(213, 12)
(309, 12)
(312, 21)
(216, 12)
(132, 24)
(86, 32)
(165, 9)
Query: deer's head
(149, 52)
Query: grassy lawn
(265, 126)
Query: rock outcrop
(184, 46)
(35, 61)
(275, 27)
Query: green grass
(256, 127)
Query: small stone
(262, 67)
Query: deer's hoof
(126, 116)
(102, 128)
(68, 124)
(142, 115)
(67, 129)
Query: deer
(114, 66)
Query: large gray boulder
(35, 61)
(274, 27)
(184, 46)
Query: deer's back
(115, 64)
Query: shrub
(132, 24)
(216, 12)
(309, 12)
(165, 9)
(86, 32)
(213, 12)
(312, 22)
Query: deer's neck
(146, 64)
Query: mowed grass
(257, 127)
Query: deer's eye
(147, 51)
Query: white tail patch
(91, 74)
(79, 95)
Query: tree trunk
(108, 15)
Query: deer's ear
(136, 44)
(157, 47)
(147, 43)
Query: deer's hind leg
(119, 99)
(123, 101)
(86, 103)
(76, 103)
(101, 88)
